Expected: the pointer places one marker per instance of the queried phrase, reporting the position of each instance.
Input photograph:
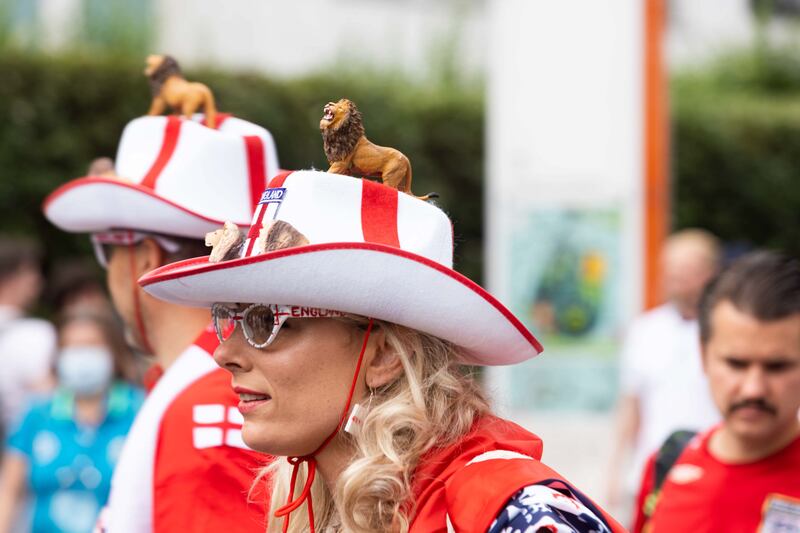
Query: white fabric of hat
(334, 208)
(365, 249)
(173, 176)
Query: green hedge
(61, 112)
(736, 148)
(736, 138)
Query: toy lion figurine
(349, 151)
(226, 243)
(169, 88)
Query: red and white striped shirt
(184, 466)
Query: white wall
(699, 30)
(288, 38)
(565, 131)
(565, 120)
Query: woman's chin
(255, 436)
(262, 439)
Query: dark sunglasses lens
(224, 324)
(258, 324)
(102, 252)
(108, 251)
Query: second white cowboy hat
(173, 176)
(359, 247)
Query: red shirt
(184, 467)
(203, 470)
(468, 483)
(702, 493)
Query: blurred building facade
(285, 38)
(279, 38)
(698, 31)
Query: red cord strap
(305, 494)
(137, 307)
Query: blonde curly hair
(431, 404)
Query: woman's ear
(385, 365)
(149, 256)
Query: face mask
(85, 370)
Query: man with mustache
(742, 475)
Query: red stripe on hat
(171, 132)
(279, 178)
(221, 117)
(256, 166)
(255, 228)
(199, 265)
(379, 213)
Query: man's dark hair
(15, 253)
(763, 284)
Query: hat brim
(373, 280)
(96, 203)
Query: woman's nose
(232, 354)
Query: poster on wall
(565, 273)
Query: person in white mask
(64, 449)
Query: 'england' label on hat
(274, 195)
(267, 209)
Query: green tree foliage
(736, 137)
(59, 113)
(736, 148)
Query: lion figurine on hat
(349, 152)
(170, 88)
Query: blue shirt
(70, 465)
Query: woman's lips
(249, 406)
(250, 399)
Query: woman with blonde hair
(354, 327)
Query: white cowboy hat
(174, 176)
(365, 249)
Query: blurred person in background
(742, 475)
(64, 450)
(26, 344)
(101, 166)
(661, 379)
(77, 286)
(184, 466)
